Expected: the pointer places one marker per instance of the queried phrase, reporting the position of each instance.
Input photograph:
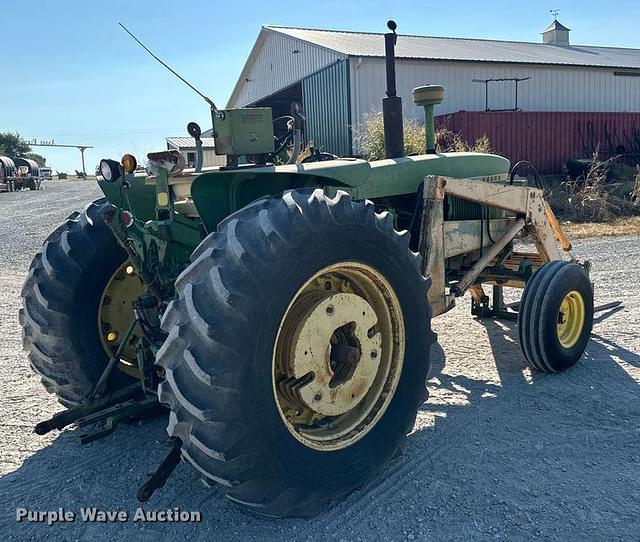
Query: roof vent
(556, 34)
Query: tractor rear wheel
(61, 305)
(556, 316)
(298, 351)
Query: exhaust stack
(392, 104)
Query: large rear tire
(60, 300)
(255, 418)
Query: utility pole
(82, 149)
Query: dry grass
(596, 196)
(620, 226)
(598, 210)
(370, 135)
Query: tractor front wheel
(298, 351)
(556, 316)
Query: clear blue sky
(70, 73)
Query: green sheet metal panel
(325, 96)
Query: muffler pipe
(392, 104)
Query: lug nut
(330, 309)
(317, 397)
(374, 354)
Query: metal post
(82, 149)
(430, 129)
(498, 300)
(392, 104)
(390, 39)
(431, 244)
(486, 95)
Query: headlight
(110, 170)
(129, 163)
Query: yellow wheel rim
(115, 313)
(571, 317)
(338, 356)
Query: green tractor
(281, 312)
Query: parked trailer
(27, 174)
(7, 170)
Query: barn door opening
(325, 96)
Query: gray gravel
(497, 452)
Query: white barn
(340, 76)
(187, 148)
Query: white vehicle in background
(45, 173)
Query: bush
(635, 193)
(370, 135)
(596, 196)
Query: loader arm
(441, 240)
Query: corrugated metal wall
(549, 89)
(325, 97)
(280, 62)
(548, 139)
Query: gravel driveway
(497, 452)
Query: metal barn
(340, 76)
(187, 148)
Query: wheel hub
(338, 356)
(571, 318)
(342, 373)
(115, 313)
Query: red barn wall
(548, 139)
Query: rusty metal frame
(440, 239)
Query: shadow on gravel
(538, 455)
(505, 345)
(602, 347)
(104, 474)
(503, 336)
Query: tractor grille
(460, 209)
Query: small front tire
(556, 316)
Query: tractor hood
(218, 193)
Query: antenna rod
(205, 98)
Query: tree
(37, 158)
(14, 146)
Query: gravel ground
(497, 452)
